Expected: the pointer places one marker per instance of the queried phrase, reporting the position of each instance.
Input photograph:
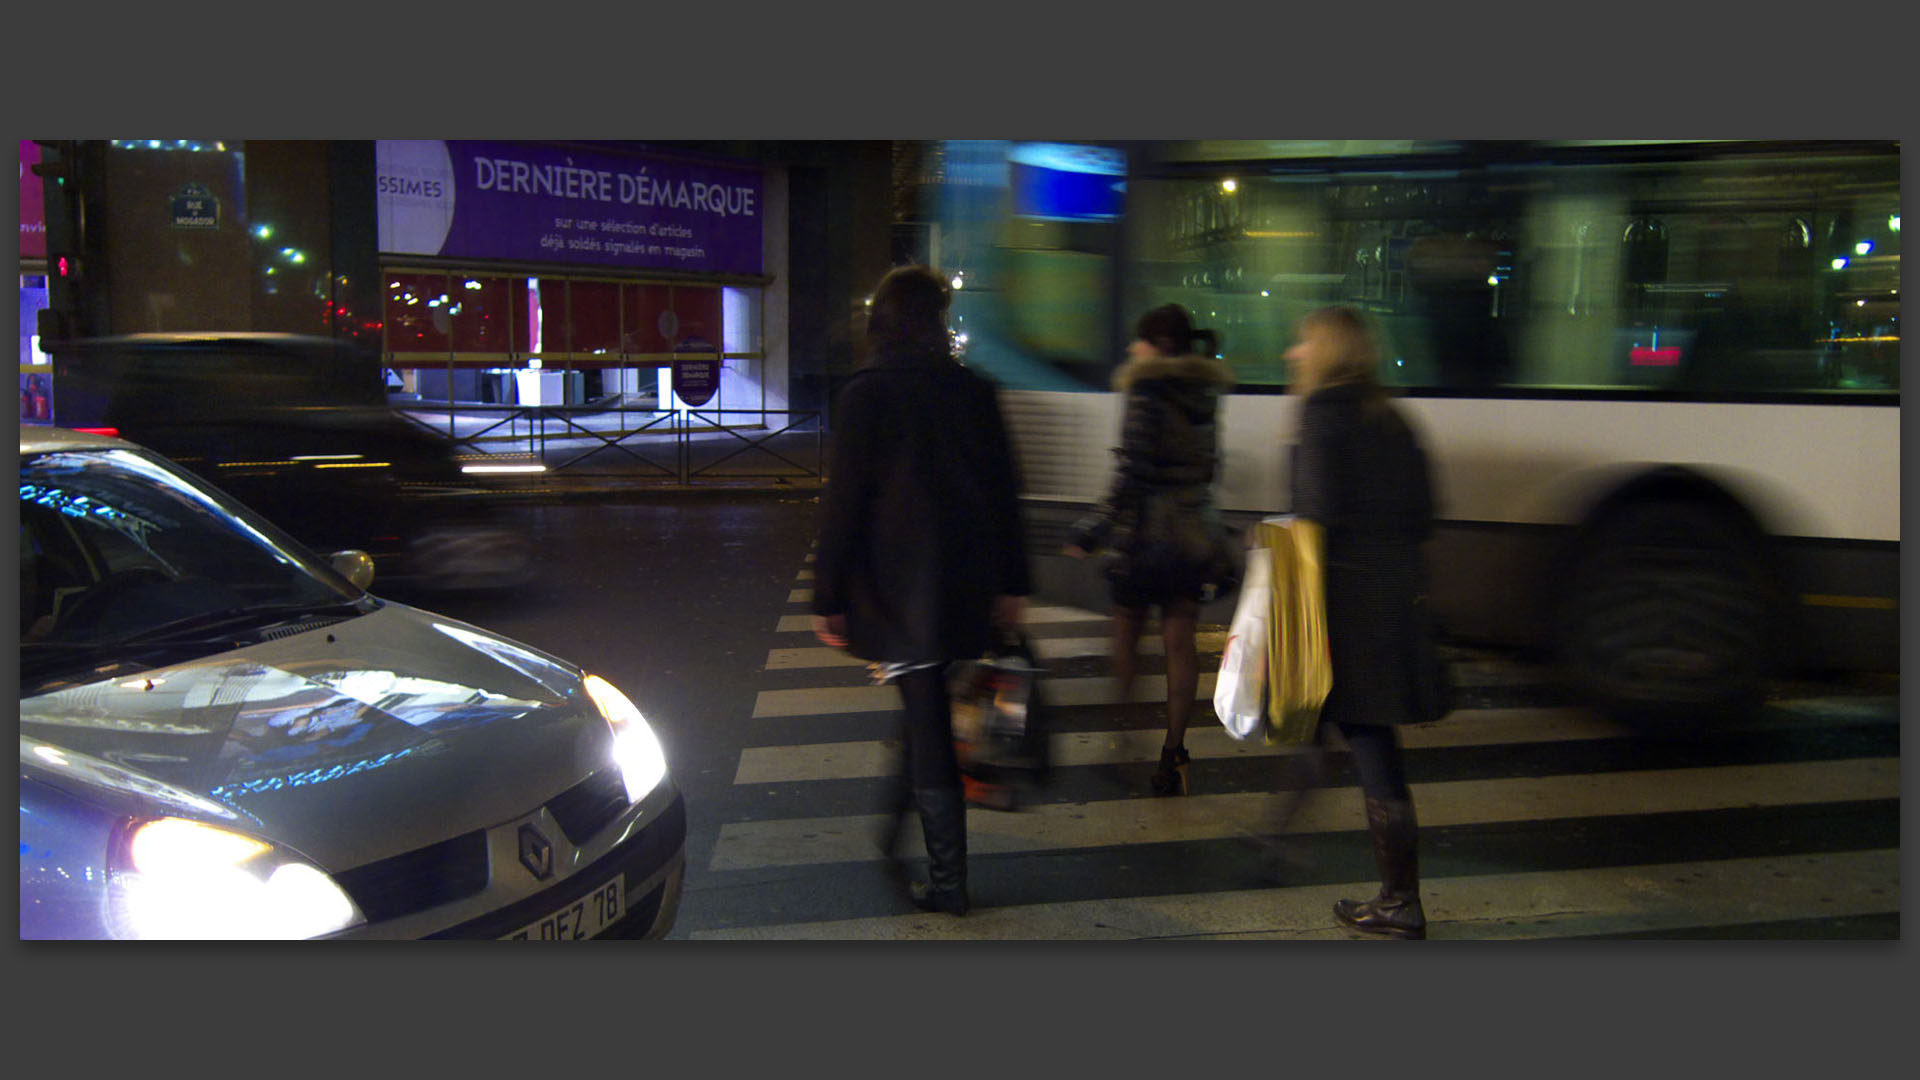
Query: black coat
(1360, 472)
(920, 528)
(1161, 502)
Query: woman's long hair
(909, 314)
(1357, 361)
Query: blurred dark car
(299, 429)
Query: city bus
(1658, 380)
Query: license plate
(584, 918)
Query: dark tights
(1179, 619)
(1376, 758)
(927, 715)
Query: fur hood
(1204, 369)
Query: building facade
(724, 275)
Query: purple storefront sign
(33, 211)
(520, 202)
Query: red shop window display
(644, 326)
(594, 323)
(418, 312)
(549, 316)
(489, 315)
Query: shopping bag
(1240, 690)
(998, 718)
(1299, 668)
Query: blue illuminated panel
(1069, 182)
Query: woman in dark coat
(1174, 553)
(921, 551)
(1360, 473)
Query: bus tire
(1666, 621)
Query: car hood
(348, 743)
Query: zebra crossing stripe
(818, 761)
(1466, 674)
(1205, 740)
(1519, 906)
(1038, 616)
(1118, 822)
(1072, 648)
(1044, 614)
(800, 596)
(823, 700)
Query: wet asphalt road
(670, 597)
(675, 597)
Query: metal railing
(763, 443)
(684, 446)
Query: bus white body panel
(1527, 461)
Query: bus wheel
(1665, 623)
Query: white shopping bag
(1240, 692)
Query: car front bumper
(645, 848)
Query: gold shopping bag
(1299, 671)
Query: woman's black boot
(1171, 777)
(1395, 912)
(943, 823)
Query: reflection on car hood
(348, 743)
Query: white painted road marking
(1110, 823)
(1483, 907)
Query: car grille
(453, 869)
(643, 855)
(416, 880)
(589, 806)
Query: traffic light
(60, 188)
(56, 162)
(59, 169)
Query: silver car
(223, 737)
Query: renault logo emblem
(536, 854)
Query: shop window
(418, 318)
(594, 308)
(489, 315)
(36, 368)
(548, 309)
(519, 329)
(740, 315)
(644, 329)
(696, 320)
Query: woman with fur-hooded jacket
(1173, 549)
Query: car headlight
(636, 749)
(176, 878)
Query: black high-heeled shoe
(1171, 777)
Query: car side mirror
(355, 566)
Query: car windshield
(120, 554)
